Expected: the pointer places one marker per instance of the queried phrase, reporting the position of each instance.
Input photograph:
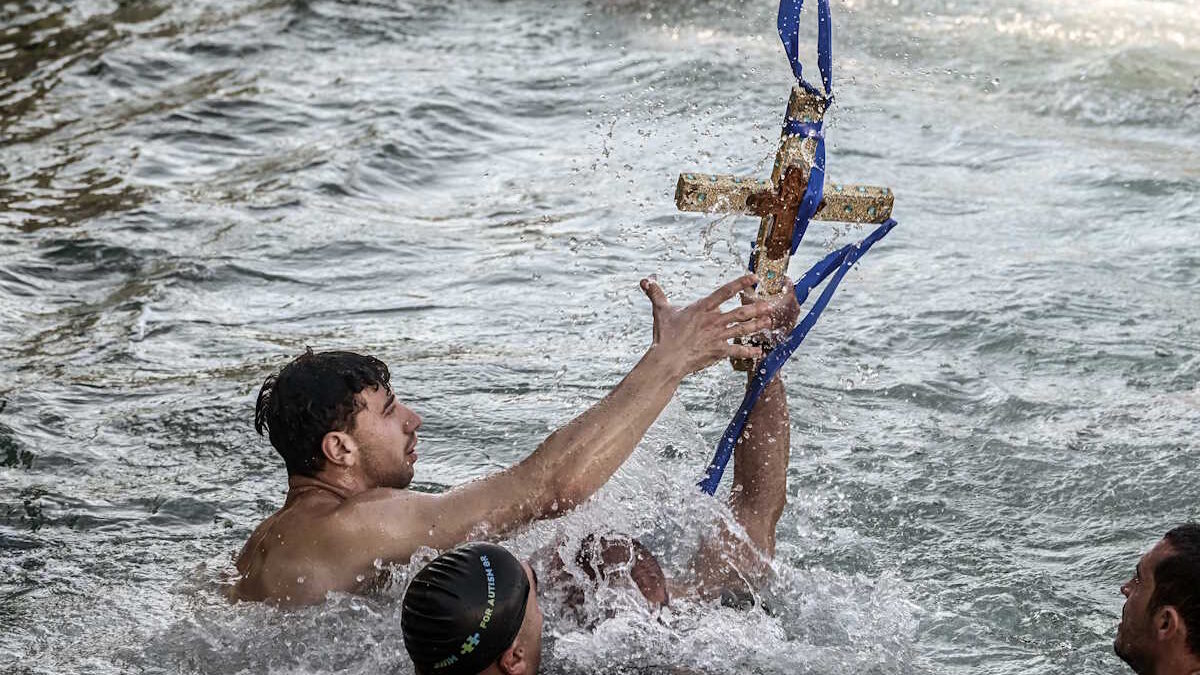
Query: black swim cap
(463, 609)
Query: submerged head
(473, 610)
(1160, 622)
(615, 560)
(335, 413)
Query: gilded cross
(776, 202)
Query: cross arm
(708, 193)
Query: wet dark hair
(1177, 580)
(603, 558)
(312, 396)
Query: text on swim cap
(473, 641)
(491, 592)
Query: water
(995, 417)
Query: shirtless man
(475, 609)
(349, 447)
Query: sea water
(997, 414)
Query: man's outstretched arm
(576, 460)
(730, 561)
(760, 471)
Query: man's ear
(512, 661)
(340, 448)
(1167, 623)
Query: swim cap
(463, 609)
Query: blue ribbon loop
(793, 127)
(788, 23)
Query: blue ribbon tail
(835, 265)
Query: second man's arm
(576, 460)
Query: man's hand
(784, 310)
(697, 336)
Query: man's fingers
(655, 292)
(747, 328)
(745, 313)
(728, 291)
(745, 352)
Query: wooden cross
(776, 202)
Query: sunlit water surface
(993, 419)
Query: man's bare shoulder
(281, 549)
(323, 543)
(402, 518)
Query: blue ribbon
(814, 192)
(788, 23)
(793, 127)
(836, 264)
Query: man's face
(386, 432)
(1135, 642)
(530, 635)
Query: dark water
(996, 416)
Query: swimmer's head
(617, 559)
(335, 411)
(1160, 622)
(473, 610)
